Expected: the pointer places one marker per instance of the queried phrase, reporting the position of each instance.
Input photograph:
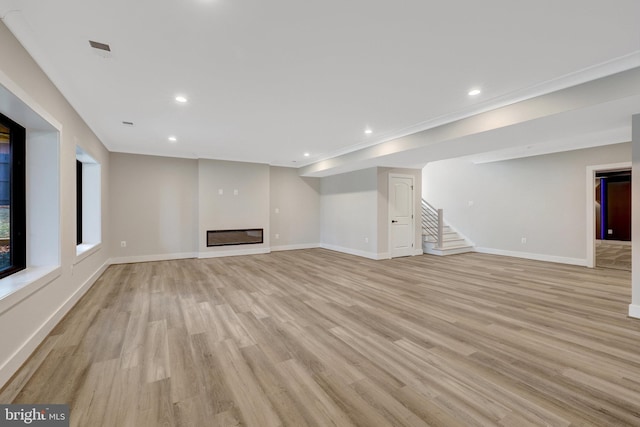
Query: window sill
(85, 249)
(19, 286)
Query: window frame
(88, 204)
(79, 190)
(18, 196)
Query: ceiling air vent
(103, 50)
(101, 46)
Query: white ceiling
(270, 80)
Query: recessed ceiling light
(173, 139)
(307, 154)
(181, 99)
(368, 131)
(474, 92)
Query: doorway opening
(593, 228)
(613, 219)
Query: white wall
(154, 207)
(162, 206)
(349, 212)
(294, 209)
(634, 307)
(25, 321)
(541, 198)
(354, 210)
(249, 208)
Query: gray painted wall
(541, 198)
(294, 209)
(349, 212)
(154, 205)
(249, 208)
(26, 323)
(355, 211)
(162, 206)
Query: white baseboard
(634, 311)
(295, 247)
(357, 252)
(537, 257)
(213, 254)
(150, 258)
(387, 255)
(13, 363)
(235, 252)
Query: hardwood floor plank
(123, 401)
(18, 382)
(274, 386)
(387, 405)
(255, 407)
(321, 410)
(65, 367)
(210, 373)
(155, 407)
(182, 366)
(90, 407)
(352, 404)
(426, 409)
(156, 352)
(233, 325)
(317, 338)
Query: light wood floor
(612, 254)
(315, 337)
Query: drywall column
(634, 307)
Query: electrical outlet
(610, 231)
(235, 192)
(277, 236)
(220, 191)
(523, 240)
(277, 210)
(123, 244)
(366, 240)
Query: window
(34, 234)
(88, 195)
(12, 197)
(78, 202)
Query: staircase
(438, 238)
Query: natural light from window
(5, 198)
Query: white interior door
(401, 226)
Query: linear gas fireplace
(247, 236)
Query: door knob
(393, 221)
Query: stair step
(452, 243)
(454, 250)
(453, 237)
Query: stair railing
(433, 223)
